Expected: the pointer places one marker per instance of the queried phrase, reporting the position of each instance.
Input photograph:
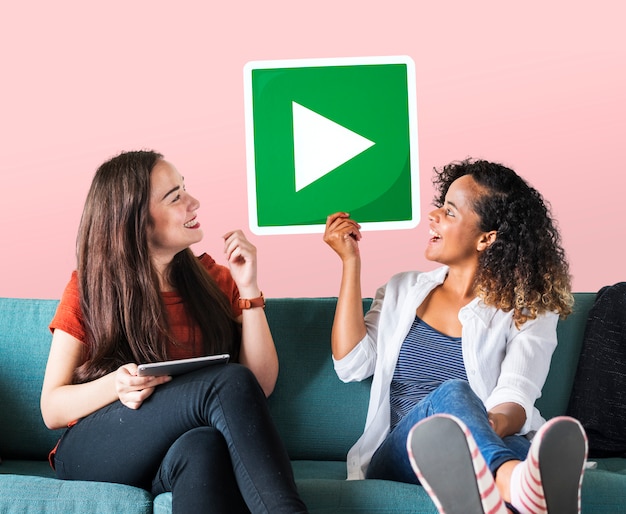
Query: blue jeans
(455, 397)
(206, 436)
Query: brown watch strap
(249, 303)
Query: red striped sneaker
(550, 479)
(451, 468)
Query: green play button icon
(331, 135)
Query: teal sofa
(318, 416)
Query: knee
(238, 381)
(195, 455)
(200, 440)
(456, 389)
(238, 375)
(455, 397)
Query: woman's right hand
(131, 389)
(343, 234)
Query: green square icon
(329, 135)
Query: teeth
(434, 234)
(191, 223)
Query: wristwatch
(249, 303)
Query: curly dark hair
(525, 269)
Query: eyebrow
(174, 189)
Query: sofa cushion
(603, 491)
(327, 496)
(324, 490)
(22, 494)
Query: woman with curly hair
(461, 353)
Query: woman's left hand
(507, 418)
(257, 351)
(241, 256)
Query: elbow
(51, 420)
(45, 415)
(53, 426)
(268, 383)
(268, 390)
(53, 423)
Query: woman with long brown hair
(139, 295)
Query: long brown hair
(122, 308)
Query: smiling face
(456, 239)
(173, 224)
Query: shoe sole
(441, 458)
(562, 457)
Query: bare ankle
(503, 479)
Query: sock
(526, 489)
(490, 496)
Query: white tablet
(177, 367)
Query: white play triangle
(320, 145)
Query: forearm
(349, 324)
(258, 352)
(64, 404)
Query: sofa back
(318, 416)
(570, 333)
(24, 345)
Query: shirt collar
(476, 308)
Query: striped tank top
(427, 359)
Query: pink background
(539, 86)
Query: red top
(69, 318)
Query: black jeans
(206, 436)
